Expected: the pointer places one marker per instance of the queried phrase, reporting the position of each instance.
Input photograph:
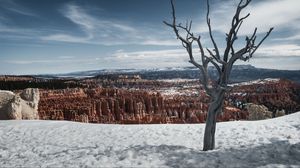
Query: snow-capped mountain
(240, 73)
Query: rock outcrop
(19, 106)
(258, 112)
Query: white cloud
(65, 57)
(158, 54)
(150, 59)
(173, 55)
(281, 14)
(294, 37)
(179, 57)
(161, 42)
(67, 38)
(285, 50)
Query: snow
(258, 81)
(5, 97)
(177, 80)
(7, 92)
(170, 91)
(265, 143)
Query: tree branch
(187, 43)
(235, 26)
(249, 48)
(210, 32)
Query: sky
(59, 36)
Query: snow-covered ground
(267, 143)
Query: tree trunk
(214, 109)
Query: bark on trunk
(214, 109)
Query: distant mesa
(240, 73)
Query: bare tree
(222, 63)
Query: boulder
(19, 106)
(258, 112)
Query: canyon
(130, 99)
(103, 105)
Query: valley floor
(267, 143)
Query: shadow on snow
(278, 152)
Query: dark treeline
(48, 84)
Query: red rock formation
(275, 95)
(150, 101)
(106, 105)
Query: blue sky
(56, 36)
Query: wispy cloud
(81, 19)
(150, 59)
(9, 30)
(89, 29)
(78, 16)
(59, 60)
(12, 6)
(106, 31)
(94, 30)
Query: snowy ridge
(92, 73)
(177, 80)
(266, 143)
(258, 81)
